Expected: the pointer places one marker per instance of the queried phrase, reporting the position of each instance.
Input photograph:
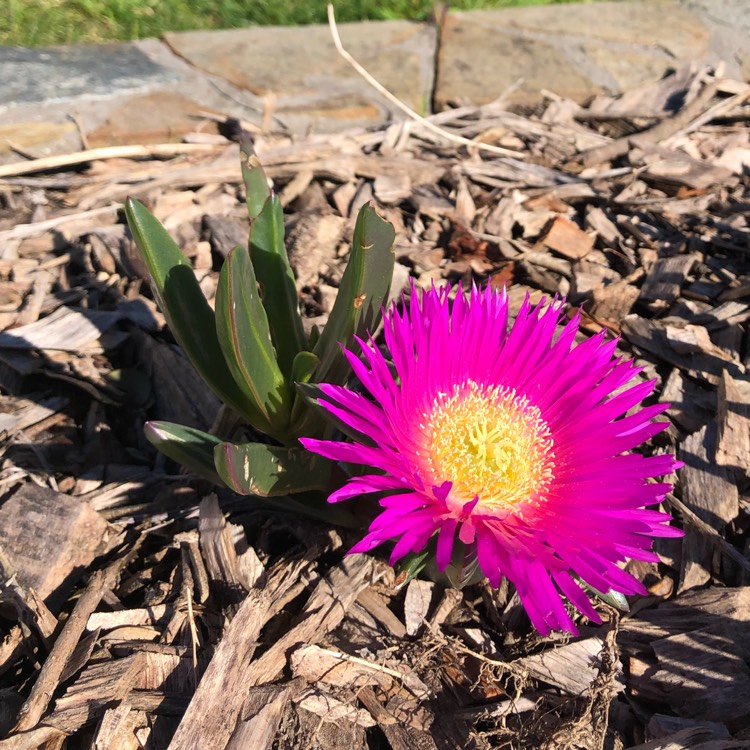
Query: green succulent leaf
(257, 188)
(176, 289)
(270, 261)
(270, 471)
(613, 598)
(245, 341)
(304, 366)
(305, 420)
(303, 369)
(191, 448)
(363, 291)
(411, 566)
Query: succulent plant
(253, 352)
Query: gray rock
(579, 50)
(57, 74)
(312, 86)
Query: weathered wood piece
(332, 710)
(99, 686)
(117, 729)
(610, 304)
(262, 715)
(676, 168)
(682, 347)
(573, 668)
(312, 731)
(399, 736)
(49, 538)
(215, 708)
(64, 330)
(717, 686)
(689, 611)
(710, 491)
(230, 574)
(27, 413)
(566, 238)
(417, 604)
(323, 612)
(691, 405)
(316, 664)
(65, 644)
(665, 279)
(655, 134)
(377, 607)
(733, 440)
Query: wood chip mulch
(141, 608)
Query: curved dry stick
(408, 111)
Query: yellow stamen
(490, 442)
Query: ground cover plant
(501, 449)
(50, 22)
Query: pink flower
(513, 441)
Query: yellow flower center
(489, 442)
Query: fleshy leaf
(303, 368)
(410, 566)
(613, 598)
(268, 470)
(245, 341)
(189, 315)
(191, 448)
(270, 261)
(363, 291)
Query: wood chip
(261, 716)
(50, 539)
(331, 710)
(665, 279)
(64, 647)
(733, 448)
(417, 604)
(718, 687)
(212, 714)
(399, 736)
(610, 304)
(230, 574)
(568, 239)
(573, 668)
(710, 491)
(681, 347)
(64, 330)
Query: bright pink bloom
(515, 441)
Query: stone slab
(577, 51)
(58, 74)
(136, 93)
(313, 87)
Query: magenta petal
(363, 485)
(446, 537)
